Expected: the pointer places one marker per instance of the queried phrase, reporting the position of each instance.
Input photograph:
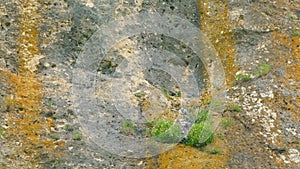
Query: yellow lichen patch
(181, 156)
(26, 129)
(215, 24)
(292, 58)
(28, 36)
(287, 49)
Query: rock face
(136, 75)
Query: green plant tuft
(226, 123)
(166, 131)
(290, 16)
(200, 134)
(139, 95)
(201, 116)
(1, 133)
(54, 136)
(262, 70)
(234, 107)
(215, 151)
(68, 128)
(77, 136)
(295, 33)
(244, 77)
(128, 127)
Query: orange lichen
(217, 28)
(182, 156)
(27, 129)
(293, 53)
(215, 24)
(287, 50)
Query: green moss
(295, 33)
(1, 133)
(54, 116)
(201, 116)
(290, 16)
(200, 135)
(207, 102)
(169, 94)
(226, 123)
(77, 136)
(244, 77)
(139, 95)
(53, 65)
(221, 136)
(234, 107)
(216, 104)
(166, 131)
(128, 127)
(54, 136)
(215, 151)
(68, 128)
(298, 146)
(262, 69)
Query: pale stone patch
(32, 64)
(88, 3)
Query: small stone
(283, 158)
(294, 155)
(46, 64)
(2, 63)
(140, 163)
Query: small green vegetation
(221, 136)
(262, 70)
(54, 136)
(201, 116)
(298, 146)
(226, 123)
(1, 133)
(169, 94)
(128, 127)
(234, 107)
(148, 132)
(290, 16)
(207, 102)
(53, 65)
(166, 93)
(216, 104)
(295, 33)
(68, 128)
(139, 95)
(166, 131)
(244, 77)
(49, 103)
(202, 132)
(215, 151)
(77, 136)
(8, 104)
(54, 116)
